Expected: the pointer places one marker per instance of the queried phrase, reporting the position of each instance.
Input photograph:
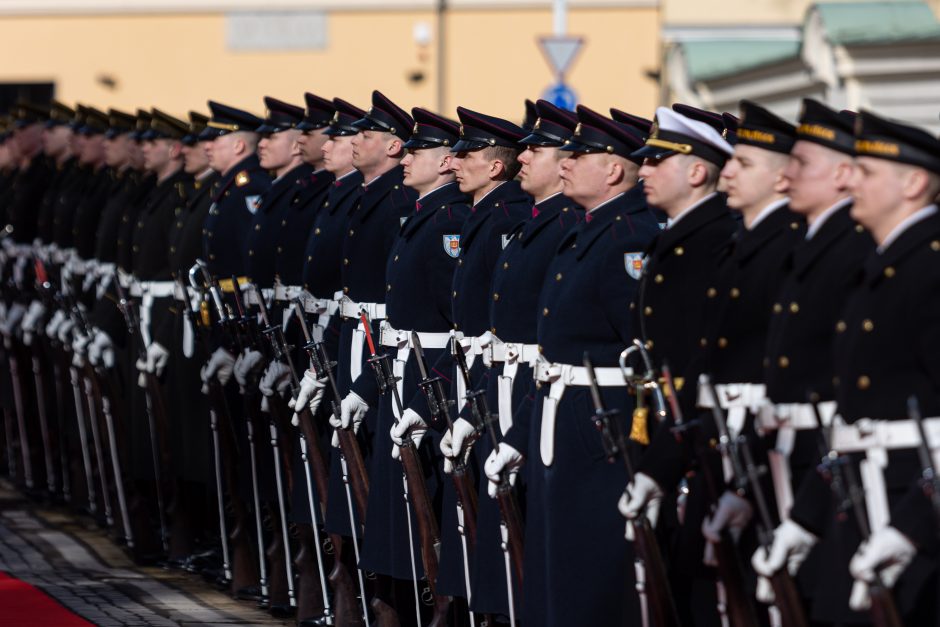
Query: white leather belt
(349, 308)
(562, 376)
(786, 419)
(287, 292)
(547, 372)
(875, 438)
(149, 292)
(395, 338)
(512, 352)
(505, 357)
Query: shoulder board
(242, 178)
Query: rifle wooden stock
(356, 469)
(884, 612)
(662, 605)
(512, 518)
(318, 464)
(738, 604)
(428, 532)
(787, 599)
(467, 497)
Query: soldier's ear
(445, 163)
(918, 183)
(843, 174)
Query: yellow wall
(176, 62)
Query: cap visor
(466, 145)
(651, 152)
(536, 139)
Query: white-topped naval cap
(675, 133)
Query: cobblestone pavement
(72, 560)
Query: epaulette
(242, 178)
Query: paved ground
(73, 561)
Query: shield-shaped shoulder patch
(634, 264)
(452, 245)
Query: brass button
(280, 249)
(251, 253)
(396, 258)
(722, 342)
(649, 345)
(257, 227)
(711, 292)
(455, 294)
(889, 272)
(864, 382)
(935, 245)
(283, 222)
(136, 248)
(658, 278)
(460, 262)
(647, 311)
(632, 306)
(778, 308)
(794, 307)
(840, 326)
(679, 250)
(505, 265)
(868, 326)
(495, 296)
(388, 288)
(345, 262)
(172, 249)
(345, 290)
(783, 362)
(735, 292)
(794, 225)
(766, 362)
(545, 311)
(558, 277)
(703, 342)
(351, 232)
(211, 257)
(859, 228)
(316, 231)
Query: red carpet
(23, 605)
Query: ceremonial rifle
(652, 580)
(929, 481)
(848, 492)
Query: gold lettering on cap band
(756, 136)
(874, 147)
(816, 130)
(685, 149)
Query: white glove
(733, 513)
(310, 394)
(245, 365)
(13, 319)
(886, 553)
(643, 493)
(792, 543)
(64, 332)
(276, 378)
(352, 411)
(410, 420)
(101, 350)
(505, 458)
(157, 357)
(79, 346)
(52, 327)
(456, 443)
(31, 320)
(219, 366)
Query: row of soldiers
(369, 366)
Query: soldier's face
(77, 141)
(811, 174)
(751, 176)
(92, 150)
(666, 182)
(878, 187)
(369, 149)
(156, 154)
(423, 166)
(221, 152)
(584, 177)
(541, 170)
(277, 149)
(472, 169)
(118, 150)
(311, 145)
(194, 158)
(55, 140)
(338, 154)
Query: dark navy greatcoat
(567, 581)
(679, 266)
(486, 232)
(419, 272)
(322, 264)
(887, 348)
(312, 187)
(234, 202)
(513, 316)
